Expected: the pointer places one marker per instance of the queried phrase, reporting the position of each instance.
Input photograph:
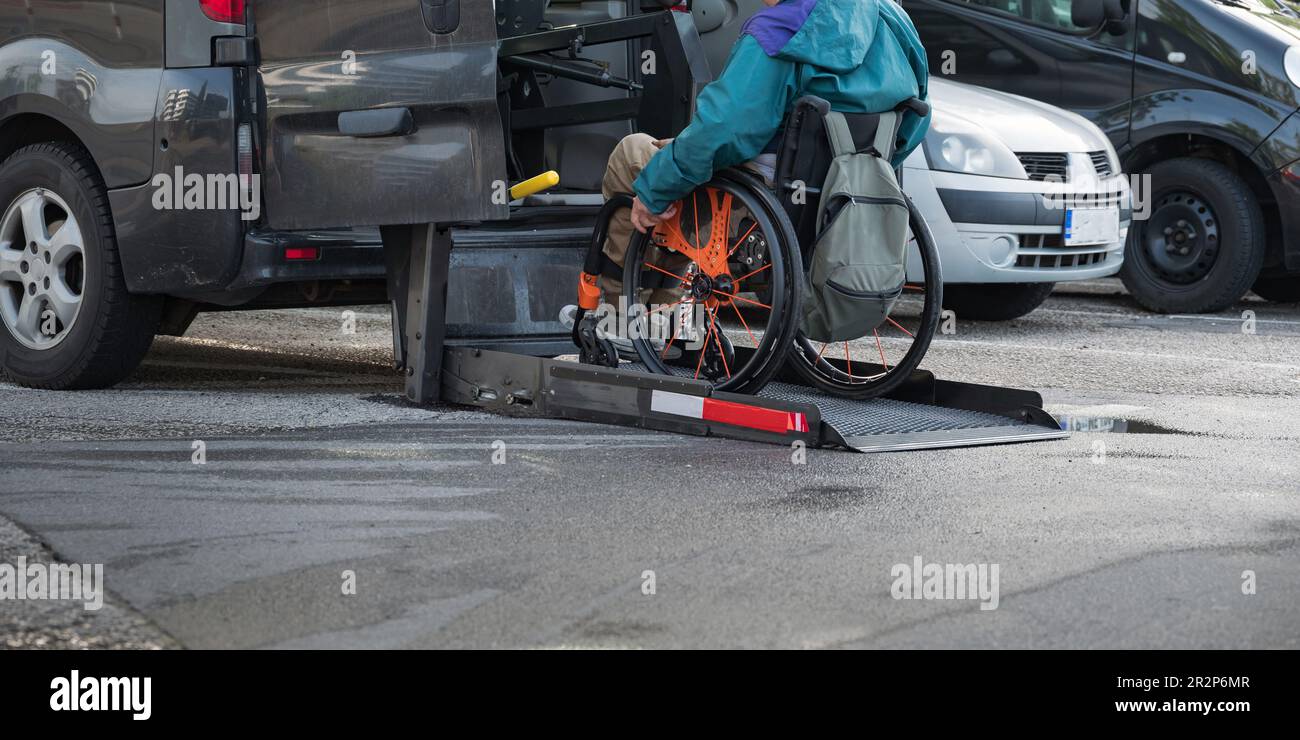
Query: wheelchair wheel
(887, 357)
(717, 286)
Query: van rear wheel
(68, 319)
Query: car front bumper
(996, 230)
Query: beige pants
(625, 164)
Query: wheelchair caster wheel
(594, 349)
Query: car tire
(995, 301)
(1278, 289)
(1206, 209)
(89, 331)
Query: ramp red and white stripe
(728, 412)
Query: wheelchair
(728, 269)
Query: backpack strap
(841, 138)
(886, 135)
(837, 128)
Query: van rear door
(378, 112)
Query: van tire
(1216, 212)
(995, 301)
(112, 329)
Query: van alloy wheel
(42, 269)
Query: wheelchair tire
(707, 279)
(823, 370)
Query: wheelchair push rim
(733, 278)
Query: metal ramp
(925, 414)
(890, 425)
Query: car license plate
(1085, 226)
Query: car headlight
(1292, 64)
(959, 149)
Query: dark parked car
(1202, 95)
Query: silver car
(1020, 195)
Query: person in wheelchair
(862, 56)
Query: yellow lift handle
(534, 185)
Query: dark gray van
(165, 157)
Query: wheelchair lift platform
(926, 413)
(516, 266)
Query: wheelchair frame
(802, 161)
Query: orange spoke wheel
(715, 288)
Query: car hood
(1022, 124)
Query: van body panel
(1281, 148)
(173, 248)
(1177, 78)
(321, 58)
(1205, 112)
(190, 34)
(110, 109)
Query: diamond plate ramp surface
(886, 424)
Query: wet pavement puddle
(1112, 425)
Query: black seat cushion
(805, 157)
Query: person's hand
(661, 143)
(643, 220)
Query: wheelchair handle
(916, 105)
(812, 101)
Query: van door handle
(441, 16)
(379, 122)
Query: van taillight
(244, 144)
(299, 254)
(250, 190)
(225, 11)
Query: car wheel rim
(42, 269)
(1181, 240)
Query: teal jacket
(863, 56)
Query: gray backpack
(857, 270)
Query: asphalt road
(315, 468)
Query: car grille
(1041, 166)
(1088, 200)
(1047, 252)
(1101, 162)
